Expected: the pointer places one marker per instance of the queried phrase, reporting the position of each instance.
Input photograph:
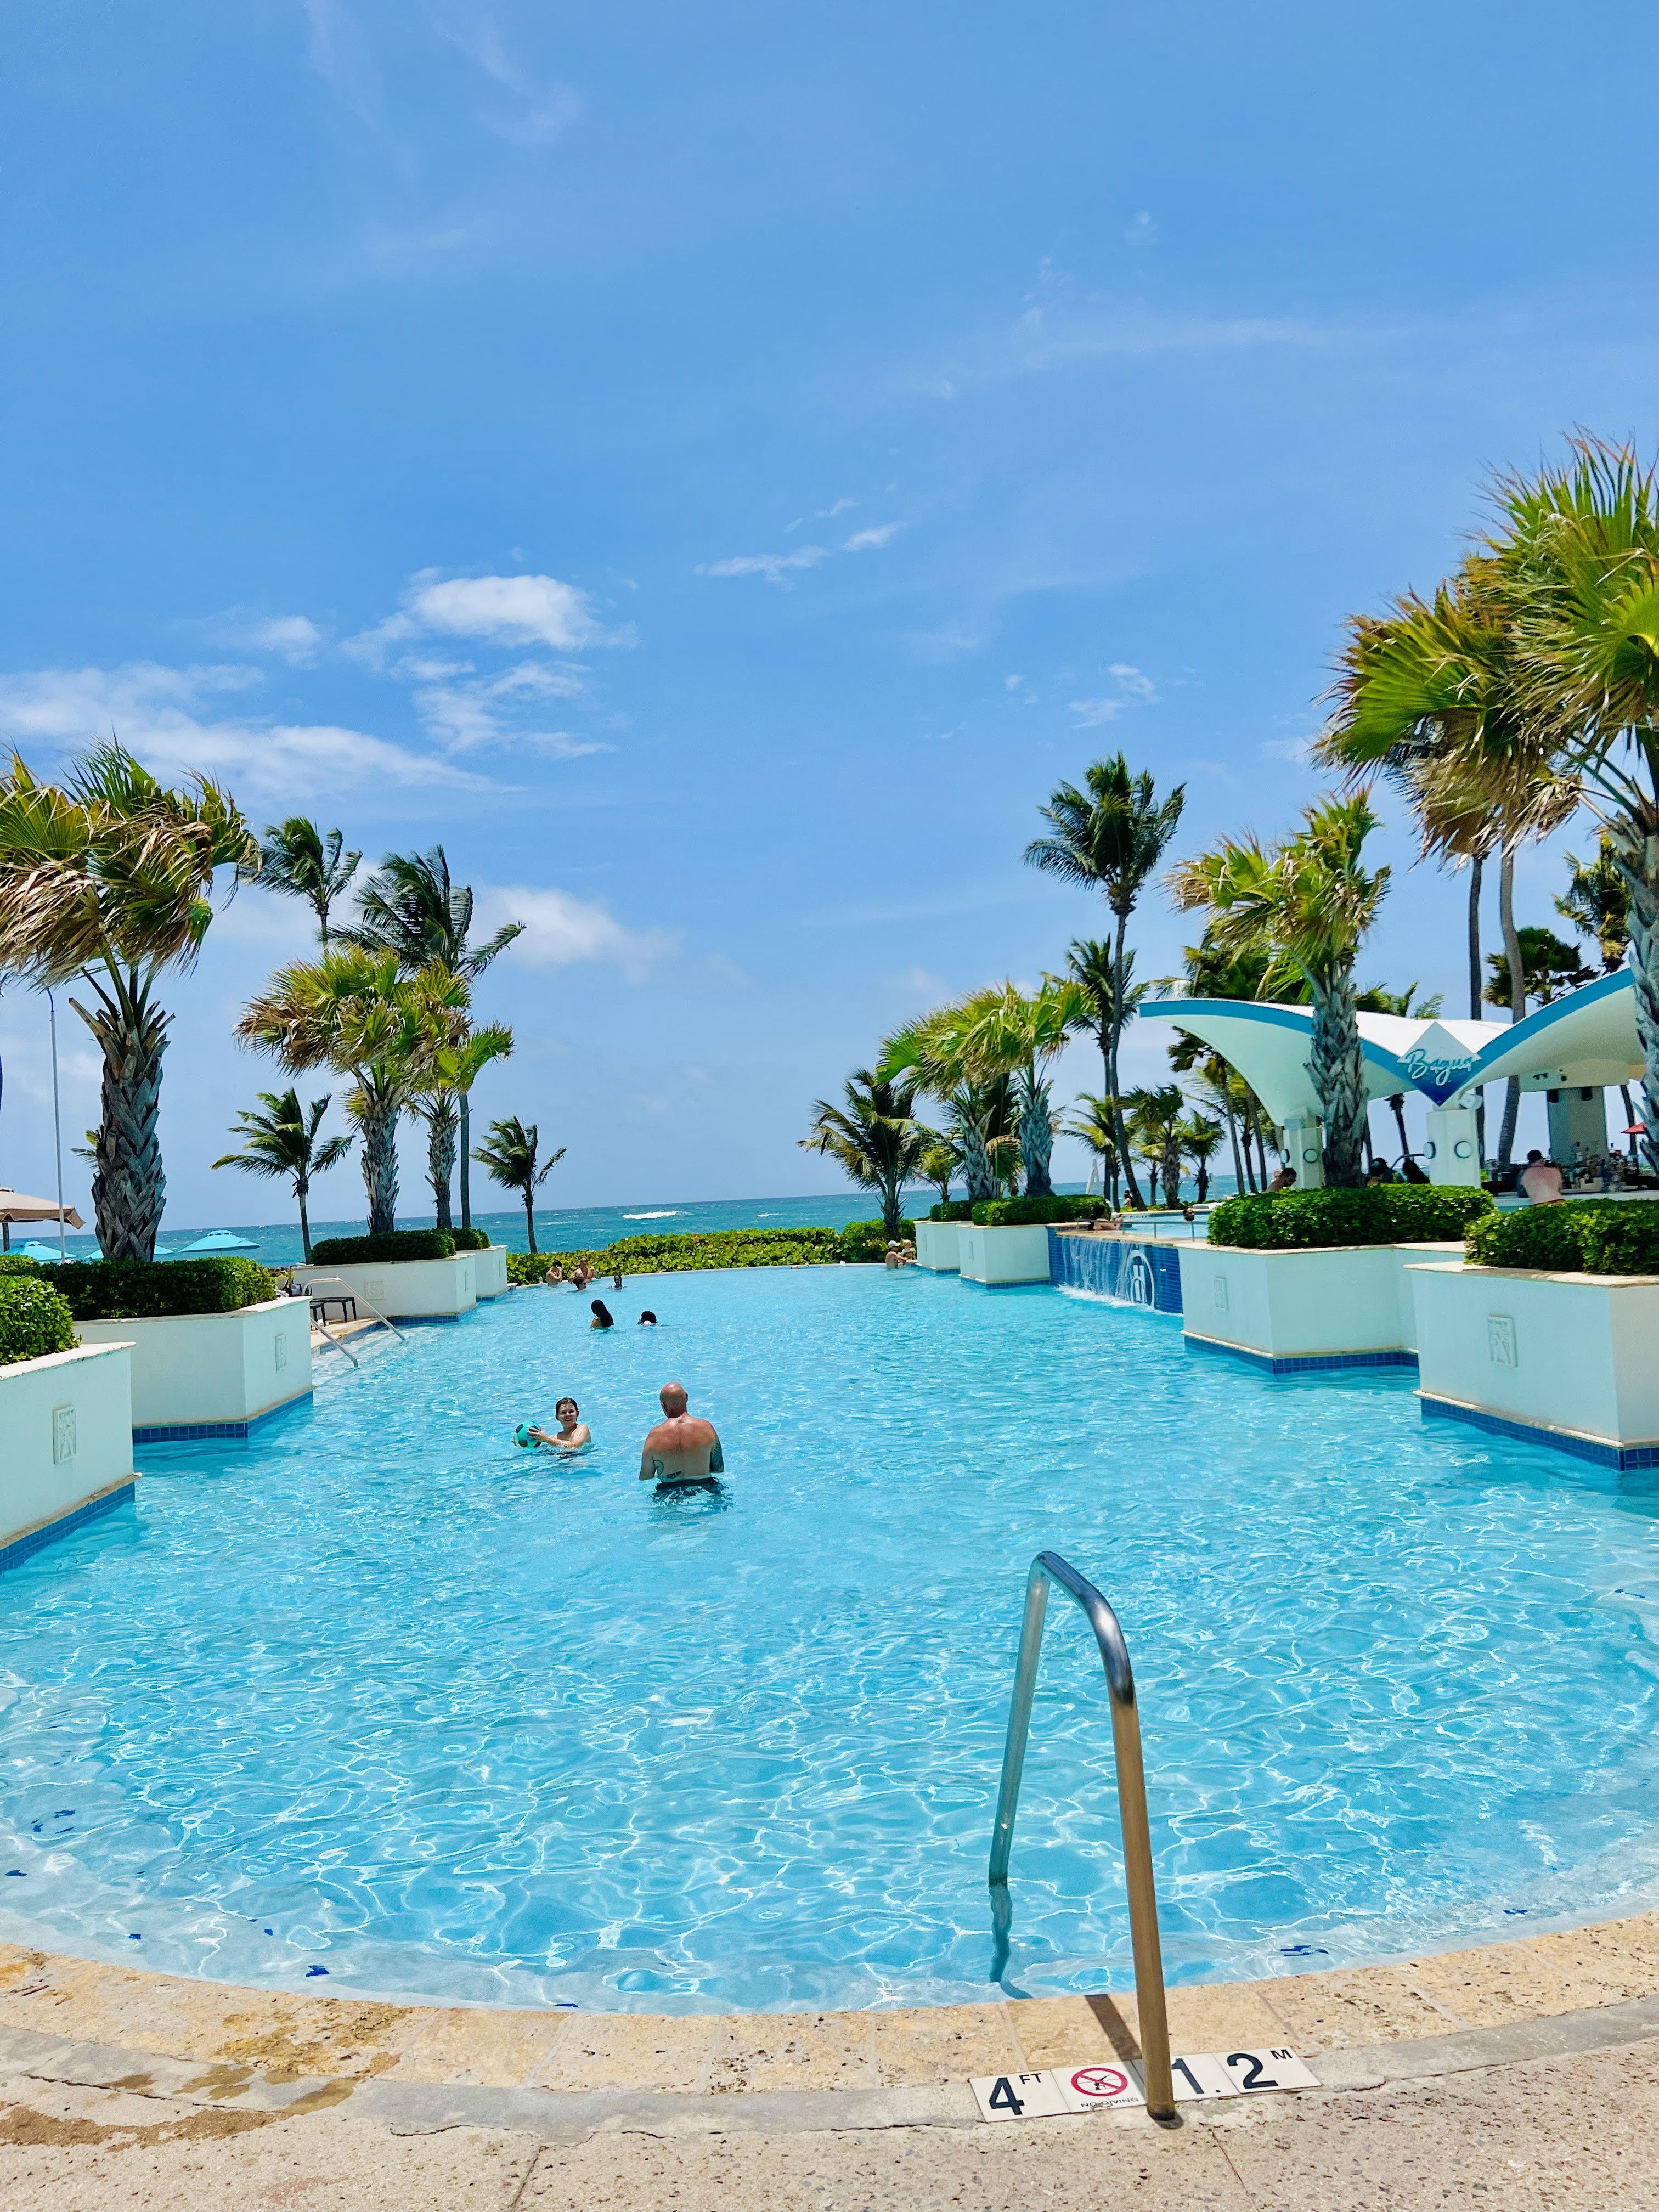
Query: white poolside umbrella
(16, 1205)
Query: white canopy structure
(1585, 1039)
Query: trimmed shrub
(150, 1290)
(1021, 1212)
(470, 1240)
(1580, 1237)
(35, 1320)
(861, 1241)
(401, 1244)
(18, 1263)
(660, 1255)
(1391, 1213)
(952, 1209)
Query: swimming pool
(378, 1693)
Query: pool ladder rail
(1049, 1567)
(341, 1289)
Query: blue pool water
(379, 1693)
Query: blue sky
(716, 470)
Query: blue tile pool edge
(1312, 1362)
(1621, 1459)
(35, 1540)
(185, 1432)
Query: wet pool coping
(423, 2066)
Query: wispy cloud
(461, 711)
(1093, 714)
(1140, 230)
(544, 111)
(561, 931)
(1132, 689)
(778, 567)
(293, 638)
(341, 55)
(165, 717)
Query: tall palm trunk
(1336, 1064)
(1171, 1164)
(1232, 1139)
(466, 1162)
(129, 1188)
(529, 1214)
(376, 1107)
(1476, 865)
(1113, 1088)
(301, 1192)
(1634, 841)
(1036, 1135)
(1517, 997)
(1104, 1038)
(977, 1171)
(440, 1154)
(1398, 1103)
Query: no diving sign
(1098, 2086)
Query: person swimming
(573, 1434)
(681, 1448)
(603, 1317)
(647, 1318)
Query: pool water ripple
(381, 1692)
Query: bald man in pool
(681, 1448)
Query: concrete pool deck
(1517, 2074)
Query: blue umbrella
(223, 1240)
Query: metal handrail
(1046, 1567)
(358, 1296)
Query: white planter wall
(212, 1373)
(1573, 1357)
(66, 1423)
(489, 1272)
(1344, 1305)
(408, 1290)
(1001, 1256)
(938, 1246)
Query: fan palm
(1111, 838)
(356, 1012)
(1597, 901)
(307, 863)
(105, 881)
(282, 1142)
(874, 1137)
(1307, 903)
(511, 1156)
(453, 1071)
(939, 1164)
(412, 908)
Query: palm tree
(1307, 903)
(511, 1159)
(939, 1164)
(1597, 901)
(1112, 838)
(1409, 1006)
(453, 1071)
(1548, 967)
(1094, 965)
(1153, 1115)
(105, 880)
(412, 907)
(1096, 1125)
(282, 1142)
(1200, 1139)
(997, 1034)
(307, 863)
(874, 1137)
(355, 1012)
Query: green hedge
(147, 1290)
(1580, 1237)
(1390, 1214)
(952, 1209)
(34, 1319)
(1020, 1212)
(18, 1263)
(469, 1240)
(860, 1242)
(724, 1248)
(401, 1244)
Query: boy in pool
(681, 1448)
(574, 1432)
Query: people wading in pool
(573, 1432)
(603, 1317)
(681, 1448)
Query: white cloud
(561, 931)
(1012, 682)
(776, 568)
(1288, 748)
(293, 638)
(519, 610)
(164, 716)
(828, 514)
(460, 711)
(1141, 230)
(1092, 713)
(1140, 686)
(547, 112)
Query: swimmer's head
(563, 1402)
(647, 1318)
(673, 1398)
